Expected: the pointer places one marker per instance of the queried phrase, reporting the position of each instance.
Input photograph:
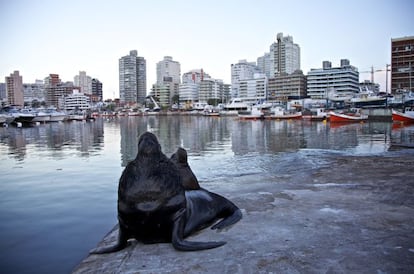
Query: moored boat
(403, 117)
(55, 115)
(252, 113)
(279, 112)
(317, 114)
(335, 117)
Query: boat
(279, 112)
(316, 114)
(407, 116)
(55, 115)
(40, 116)
(236, 104)
(347, 117)
(252, 113)
(368, 100)
(21, 118)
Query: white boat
(252, 113)
(55, 115)
(41, 116)
(279, 112)
(368, 100)
(235, 104)
(315, 114)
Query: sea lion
(188, 179)
(153, 206)
(212, 205)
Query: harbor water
(59, 181)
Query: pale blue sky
(50, 36)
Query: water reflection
(82, 137)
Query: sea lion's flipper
(121, 244)
(228, 221)
(178, 236)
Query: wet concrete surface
(353, 214)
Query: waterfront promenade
(337, 214)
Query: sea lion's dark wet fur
(188, 179)
(153, 206)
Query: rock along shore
(353, 215)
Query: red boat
(403, 117)
(335, 117)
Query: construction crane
(372, 71)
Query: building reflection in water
(54, 139)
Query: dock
(354, 214)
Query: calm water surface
(58, 185)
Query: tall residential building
(84, 82)
(132, 78)
(97, 95)
(168, 71)
(254, 89)
(263, 63)
(402, 64)
(284, 56)
(2, 92)
(241, 71)
(168, 80)
(343, 80)
(14, 89)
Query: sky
(64, 37)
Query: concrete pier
(353, 214)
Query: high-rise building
(328, 80)
(96, 91)
(263, 63)
(84, 82)
(284, 56)
(402, 64)
(254, 89)
(132, 78)
(14, 89)
(168, 71)
(168, 80)
(241, 71)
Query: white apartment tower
(263, 63)
(284, 56)
(84, 82)
(132, 78)
(241, 71)
(168, 71)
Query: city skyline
(68, 37)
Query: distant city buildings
(34, 92)
(132, 78)
(14, 89)
(97, 93)
(342, 80)
(57, 91)
(402, 64)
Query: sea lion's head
(148, 145)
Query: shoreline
(354, 216)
